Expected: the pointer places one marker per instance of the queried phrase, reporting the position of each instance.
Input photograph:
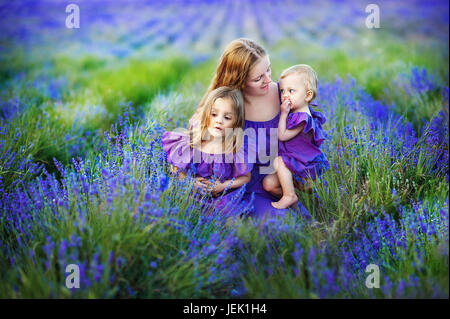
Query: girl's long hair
(199, 131)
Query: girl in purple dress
(213, 149)
(300, 135)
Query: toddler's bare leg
(272, 185)
(285, 177)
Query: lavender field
(84, 179)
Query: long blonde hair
(238, 58)
(234, 141)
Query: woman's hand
(286, 106)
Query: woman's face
(258, 79)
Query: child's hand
(217, 189)
(203, 185)
(286, 106)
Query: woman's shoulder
(274, 86)
(275, 92)
(272, 99)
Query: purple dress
(302, 154)
(262, 202)
(200, 164)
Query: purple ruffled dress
(200, 164)
(302, 154)
(262, 202)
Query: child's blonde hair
(234, 141)
(310, 76)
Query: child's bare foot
(285, 201)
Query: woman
(245, 65)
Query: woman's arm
(237, 182)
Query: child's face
(293, 88)
(221, 117)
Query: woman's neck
(262, 107)
(254, 100)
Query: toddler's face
(293, 89)
(221, 117)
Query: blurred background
(119, 42)
(144, 29)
